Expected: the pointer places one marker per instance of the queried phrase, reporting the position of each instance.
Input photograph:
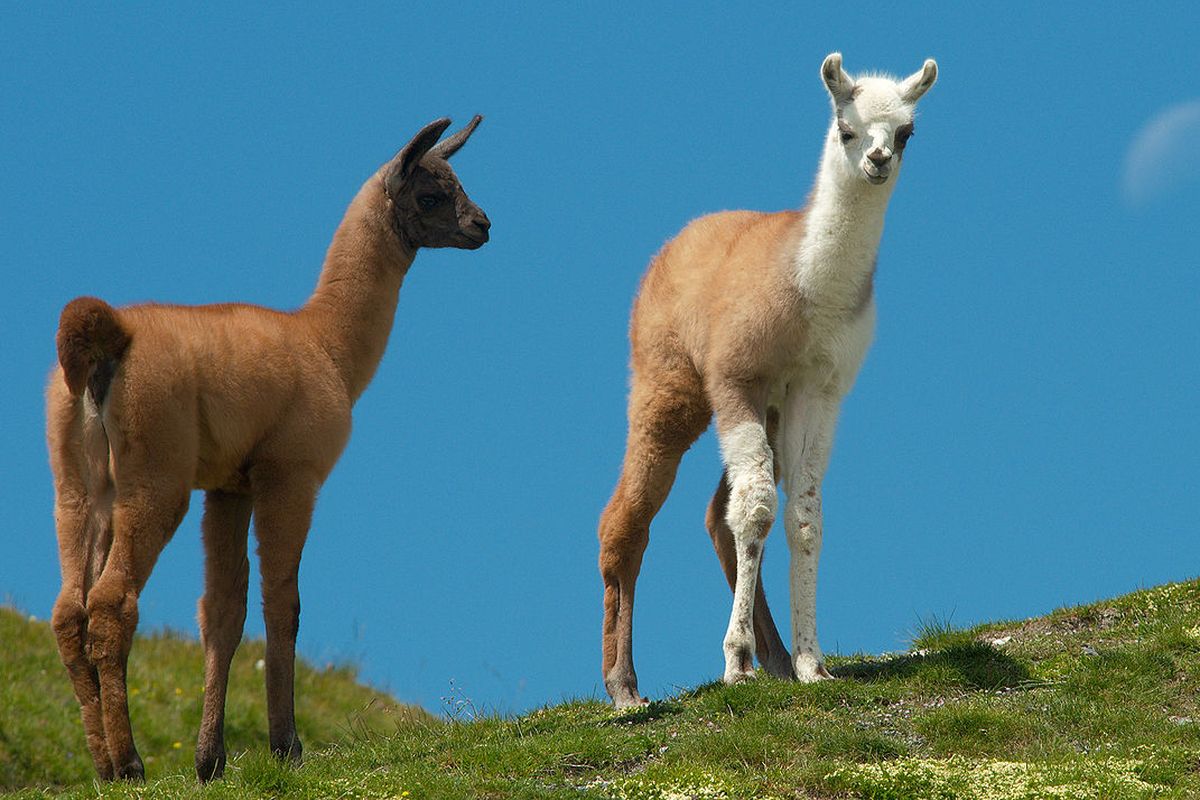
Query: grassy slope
(1097, 701)
(41, 737)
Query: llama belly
(223, 474)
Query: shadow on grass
(640, 715)
(974, 665)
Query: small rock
(1003, 640)
(260, 665)
(1088, 650)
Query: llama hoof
(290, 752)
(133, 770)
(621, 685)
(811, 670)
(739, 658)
(632, 700)
(624, 694)
(735, 676)
(210, 766)
(739, 665)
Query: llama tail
(91, 341)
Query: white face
(873, 117)
(873, 128)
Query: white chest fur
(833, 271)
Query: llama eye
(428, 201)
(847, 136)
(903, 135)
(846, 132)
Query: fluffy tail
(91, 342)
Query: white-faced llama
(251, 405)
(763, 320)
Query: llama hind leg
(664, 420)
(83, 527)
(768, 645)
(624, 533)
(75, 523)
(143, 522)
(222, 617)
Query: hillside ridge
(1094, 701)
(41, 737)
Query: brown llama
(248, 404)
(763, 320)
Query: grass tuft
(938, 633)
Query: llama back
(219, 380)
(707, 283)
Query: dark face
(429, 205)
(432, 210)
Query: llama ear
(839, 84)
(917, 84)
(400, 167)
(449, 146)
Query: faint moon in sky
(1163, 154)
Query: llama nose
(879, 156)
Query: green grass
(1098, 701)
(41, 736)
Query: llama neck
(352, 308)
(835, 262)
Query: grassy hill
(41, 737)
(1098, 701)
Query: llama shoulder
(721, 258)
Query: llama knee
(222, 619)
(281, 611)
(804, 536)
(69, 622)
(802, 521)
(623, 541)
(112, 614)
(750, 466)
(752, 502)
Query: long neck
(352, 308)
(835, 263)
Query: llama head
(428, 203)
(873, 118)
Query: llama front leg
(749, 465)
(222, 616)
(772, 652)
(283, 504)
(807, 438)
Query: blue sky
(1024, 433)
